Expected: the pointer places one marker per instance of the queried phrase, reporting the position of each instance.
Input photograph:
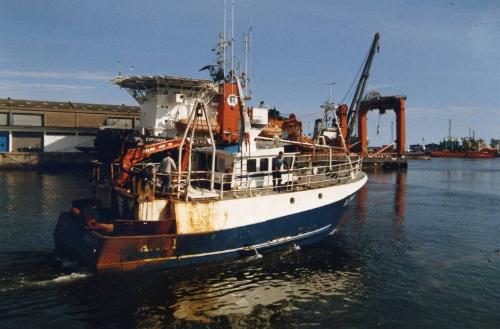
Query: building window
(4, 119)
(24, 141)
(58, 141)
(35, 120)
(264, 164)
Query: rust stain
(196, 217)
(134, 252)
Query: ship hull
(118, 253)
(466, 154)
(447, 154)
(479, 155)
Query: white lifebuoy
(232, 100)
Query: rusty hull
(119, 253)
(196, 217)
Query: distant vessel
(447, 154)
(483, 154)
(470, 147)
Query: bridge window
(264, 164)
(252, 165)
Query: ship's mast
(232, 41)
(329, 105)
(328, 108)
(222, 43)
(246, 77)
(330, 86)
(449, 129)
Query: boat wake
(65, 278)
(23, 283)
(49, 271)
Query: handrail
(293, 180)
(323, 170)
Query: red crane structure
(383, 103)
(361, 105)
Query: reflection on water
(400, 195)
(398, 182)
(318, 282)
(258, 288)
(30, 203)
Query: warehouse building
(42, 126)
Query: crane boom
(135, 155)
(360, 89)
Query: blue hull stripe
(266, 245)
(278, 231)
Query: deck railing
(253, 183)
(307, 172)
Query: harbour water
(419, 249)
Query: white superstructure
(167, 100)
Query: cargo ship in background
(467, 147)
(485, 153)
(470, 148)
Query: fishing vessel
(230, 192)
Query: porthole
(292, 200)
(320, 196)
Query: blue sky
(444, 55)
